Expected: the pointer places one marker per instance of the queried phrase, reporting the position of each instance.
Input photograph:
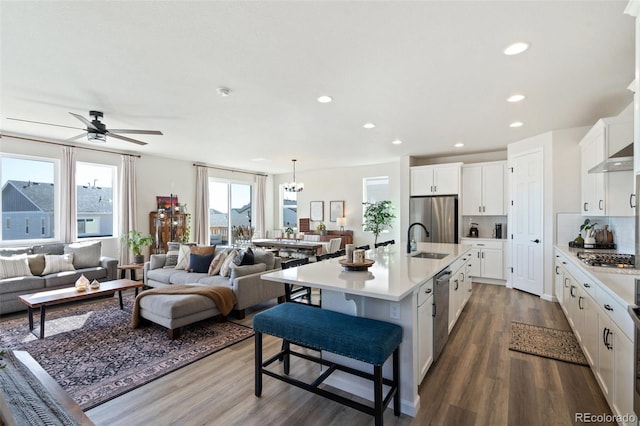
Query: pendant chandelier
(294, 186)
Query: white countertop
(620, 282)
(393, 276)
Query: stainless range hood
(621, 161)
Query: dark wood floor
(476, 381)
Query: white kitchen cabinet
(425, 328)
(457, 289)
(606, 193)
(441, 179)
(483, 189)
(559, 278)
(489, 258)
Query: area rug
(546, 342)
(93, 353)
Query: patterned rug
(546, 342)
(93, 353)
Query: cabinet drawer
(583, 281)
(497, 244)
(616, 312)
(425, 291)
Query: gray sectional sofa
(245, 281)
(87, 261)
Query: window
(375, 189)
(94, 200)
(28, 192)
(289, 208)
(229, 206)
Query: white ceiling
(430, 73)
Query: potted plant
(590, 235)
(136, 241)
(322, 228)
(377, 217)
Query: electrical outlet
(394, 310)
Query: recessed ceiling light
(515, 98)
(459, 145)
(223, 91)
(369, 125)
(516, 124)
(516, 48)
(396, 142)
(259, 159)
(325, 99)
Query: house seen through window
(94, 200)
(229, 206)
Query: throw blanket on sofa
(223, 297)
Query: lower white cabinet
(488, 255)
(596, 319)
(425, 328)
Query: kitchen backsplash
(623, 229)
(486, 225)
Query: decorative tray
(352, 266)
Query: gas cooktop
(610, 260)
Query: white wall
(345, 184)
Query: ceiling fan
(96, 130)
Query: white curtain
(201, 214)
(261, 193)
(128, 197)
(68, 172)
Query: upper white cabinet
(610, 193)
(483, 189)
(441, 179)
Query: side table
(132, 268)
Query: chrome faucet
(409, 234)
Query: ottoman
(174, 311)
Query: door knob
(537, 241)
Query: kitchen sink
(430, 255)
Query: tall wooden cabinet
(167, 228)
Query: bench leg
(396, 381)
(258, 363)
(377, 394)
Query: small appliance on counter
(500, 231)
(473, 230)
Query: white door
(526, 222)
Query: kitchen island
(387, 291)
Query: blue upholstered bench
(364, 339)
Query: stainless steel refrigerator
(438, 214)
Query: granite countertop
(393, 276)
(619, 282)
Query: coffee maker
(473, 230)
(497, 232)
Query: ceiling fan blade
(124, 138)
(140, 132)
(85, 121)
(40, 122)
(81, 135)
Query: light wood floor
(476, 381)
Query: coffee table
(42, 299)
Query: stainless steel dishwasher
(440, 311)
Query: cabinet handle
(462, 276)
(478, 255)
(565, 282)
(483, 209)
(587, 285)
(480, 244)
(633, 206)
(427, 291)
(584, 207)
(557, 272)
(564, 263)
(600, 204)
(573, 287)
(608, 307)
(479, 209)
(580, 303)
(483, 255)
(604, 336)
(456, 287)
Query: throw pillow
(57, 263)
(14, 266)
(171, 259)
(225, 269)
(203, 249)
(85, 254)
(157, 261)
(36, 263)
(216, 263)
(199, 263)
(266, 257)
(241, 271)
(183, 257)
(244, 257)
(53, 248)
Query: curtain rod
(230, 170)
(64, 144)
